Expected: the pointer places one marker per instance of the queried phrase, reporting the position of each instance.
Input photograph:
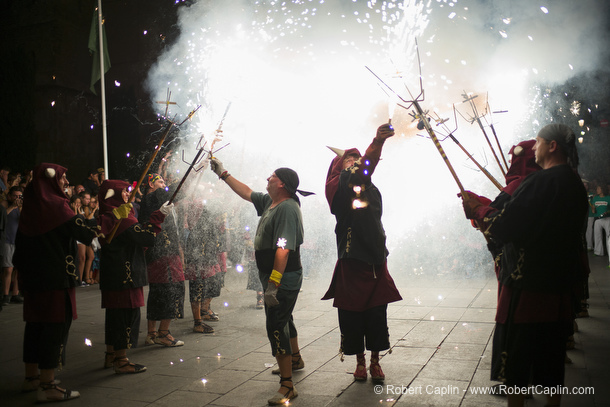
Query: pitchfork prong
(183, 160)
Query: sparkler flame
(293, 68)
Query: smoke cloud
(295, 75)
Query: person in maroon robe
(45, 253)
(123, 271)
(540, 229)
(522, 163)
(361, 285)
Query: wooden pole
(437, 143)
(491, 178)
(133, 191)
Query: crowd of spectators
(83, 200)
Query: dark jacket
(48, 261)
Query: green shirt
(281, 226)
(600, 204)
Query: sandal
(167, 340)
(150, 338)
(57, 394)
(108, 360)
(260, 301)
(375, 369)
(119, 368)
(360, 372)
(285, 398)
(202, 328)
(32, 383)
(209, 315)
(296, 364)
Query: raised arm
(237, 186)
(369, 162)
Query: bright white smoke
(294, 72)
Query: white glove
(271, 294)
(217, 167)
(166, 208)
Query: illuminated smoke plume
(295, 74)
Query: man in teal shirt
(279, 235)
(601, 203)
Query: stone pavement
(440, 335)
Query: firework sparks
(295, 73)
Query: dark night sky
(49, 62)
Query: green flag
(94, 51)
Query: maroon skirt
(48, 306)
(358, 286)
(131, 298)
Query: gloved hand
(166, 208)
(271, 294)
(471, 195)
(471, 202)
(217, 167)
(122, 212)
(384, 131)
(470, 207)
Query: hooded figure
(522, 164)
(123, 272)
(45, 250)
(43, 196)
(164, 264)
(540, 229)
(361, 284)
(110, 198)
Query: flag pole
(100, 34)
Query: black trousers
(534, 353)
(122, 327)
(367, 328)
(280, 324)
(165, 301)
(44, 343)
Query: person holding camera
(9, 274)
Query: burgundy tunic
(165, 269)
(48, 306)
(361, 279)
(130, 298)
(46, 247)
(357, 286)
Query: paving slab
(440, 336)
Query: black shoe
(17, 299)
(6, 300)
